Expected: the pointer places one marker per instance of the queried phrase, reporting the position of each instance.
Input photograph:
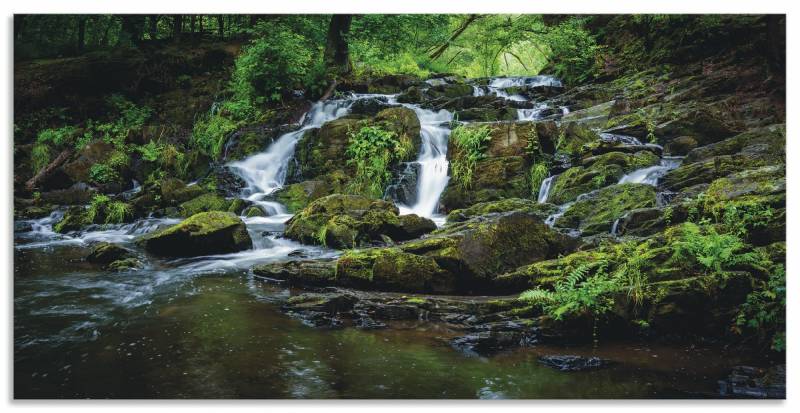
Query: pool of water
(167, 332)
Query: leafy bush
(40, 156)
(764, 311)
(538, 173)
(713, 252)
(270, 67)
(573, 51)
(577, 293)
(210, 134)
(57, 137)
(372, 151)
(471, 144)
(102, 210)
(101, 173)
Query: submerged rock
(205, 233)
(106, 253)
(755, 382)
(573, 363)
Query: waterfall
(652, 174)
(432, 179)
(531, 114)
(544, 190)
(265, 172)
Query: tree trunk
(441, 49)
(202, 18)
(153, 26)
(19, 24)
(192, 21)
(177, 22)
(81, 33)
(221, 26)
(337, 53)
(48, 170)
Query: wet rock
(20, 226)
(492, 338)
(126, 264)
(345, 221)
(106, 253)
(297, 196)
(253, 211)
(390, 269)
(225, 180)
(596, 212)
(174, 191)
(370, 106)
(365, 322)
(204, 203)
(494, 179)
(403, 188)
(597, 172)
(77, 194)
(680, 145)
(761, 383)
(205, 233)
(74, 219)
(573, 363)
(301, 272)
(529, 206)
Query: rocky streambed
(265, 279)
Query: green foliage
(573, 51)
(101, 173)
(471, 144)
(538, 173)
(702, 246)
(210, 134)
(103, 210)
(764, 311)
(40, 156)
(57, 137)
(271, 66)
(151, 151)
(578, 293)
(372, 151)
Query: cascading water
(265, 172)
(544, 190)
(652, 174)
(433, 178)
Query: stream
(206, 327)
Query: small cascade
(265, 172)
(652, 174)
(432, 178)
(544, 190)
(531, 114)
(478, 91)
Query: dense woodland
(107, 102)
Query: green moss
(505, 205)
(74, 219)
(204, 203)
(598, 213)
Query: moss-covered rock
(205, 233)
(307, 273)
(204, 203)
(347, 221)
(174, 191)
(597, 212)
(392, 269)
(73, 220)
(494, 179)
(450, 90)
(106, 253)
(597, 172)
(529, 206)
(297, 196)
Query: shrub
(702, 246)
(764, 311)
(102, 210)
(210, 134)
(471, 144)
(372, 151)
(101, 173)
(538, 174)
(270, 67)
(40, 156)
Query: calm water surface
(173, 331)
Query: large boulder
(205, 233)
(596, 212)
(297, 196)
(494, 179)
(347, 221)
(597, 172)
